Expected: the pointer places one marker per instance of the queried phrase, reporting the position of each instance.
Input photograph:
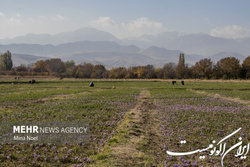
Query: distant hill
(84, 34)
(24, 59)
(113, 59)
(218, 56)
(110, 54)
(89, 44)
(199, 44)
(162, 54)
(63, 50)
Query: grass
(182, 113)
(243, 94)
(102, 107)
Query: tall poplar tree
(180, 69)
(6, 61)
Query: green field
(163, 115)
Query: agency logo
(44, 132)
(219, 148)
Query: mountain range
(99, 47)
(84, 34)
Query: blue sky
(126, 18)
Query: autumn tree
(84, 70)
(228, 68)
(149, 71)
(54, 66)
(119, 72)
(181, 68)
(192, 72)
(21, 68)
(169, 71)
(145, 71)
(39, 66)
(6, 61)
(68, 64)
(131, 72)
(246, 67)
(158, 73)
(70, 69)
(99, 71)
(204, 68)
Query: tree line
(225, 68)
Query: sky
(126, 18)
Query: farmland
(132, 122)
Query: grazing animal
(182, 82)
(32, 81)
(91, 84)
(174, 82)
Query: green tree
(181, 68)
(6, 61)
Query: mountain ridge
(88, 44)
(83, 34)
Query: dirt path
(215, 95)
(137, 138)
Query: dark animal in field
(182, 82)
(91, 84)
(174, 82)
(32, 81)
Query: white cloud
(14, 21)
(104, 22)
(17, 25)
(60, 17)
(18, 15)
(144, 26)
(2, 14)
(133, 28)
(231, 31)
